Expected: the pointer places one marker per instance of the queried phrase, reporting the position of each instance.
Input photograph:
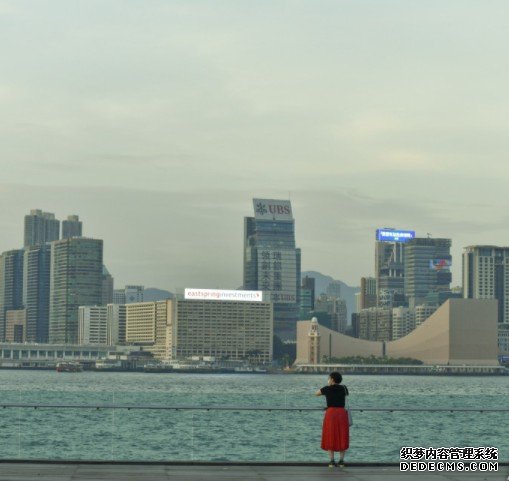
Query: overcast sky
(158, 121)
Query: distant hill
(152, 294)
(347, 292)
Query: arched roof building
(460, 332)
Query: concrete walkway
(166, 472)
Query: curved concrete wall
(461, 331)
(340, 344)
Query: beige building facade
(461, 331)
(148, 324)
(234, 330)
(183, 328)
(15, 325)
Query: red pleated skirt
(335, 430)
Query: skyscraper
(272, 262)
(40, 227)
(486, 276)
(367, 294)
(72, 227)
(11, 285)
(389, 266)
(427, 264)
(307, 297)
(107, 287)
(76, 280)
(36, 290)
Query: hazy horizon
(157, 123)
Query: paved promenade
(161, 472)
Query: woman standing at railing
(335, 430)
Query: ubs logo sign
(274, 208)
(261, 209)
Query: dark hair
(336, 377)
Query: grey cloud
(158, 124)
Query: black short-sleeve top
(335, 395)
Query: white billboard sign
(271, 209)
(223, 295)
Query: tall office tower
(272, 262)
(355, 319)
(310, 284)
(76, 280)
(358, 302)
(340, 318)
(116, 318)
(40, 227)
(334, 289)
(486, 276)
(72, 227)
(36, 290)
(389, 266)
(427, 269)
(107, 287)
(119, 296)
(133, 294)
(11, 285)
(92, 325)
(307, 297)
(367, 294)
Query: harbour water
(169, 435)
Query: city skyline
(354, 280)
(184, 113)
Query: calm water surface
(233, 435)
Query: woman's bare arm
(318, 393)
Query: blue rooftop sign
(392, 235)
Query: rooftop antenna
(429, 235)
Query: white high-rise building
(92, 325)
(422, 312)
(403, 322)
(116, 320)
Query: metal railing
(218, 432)
(233, 408)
